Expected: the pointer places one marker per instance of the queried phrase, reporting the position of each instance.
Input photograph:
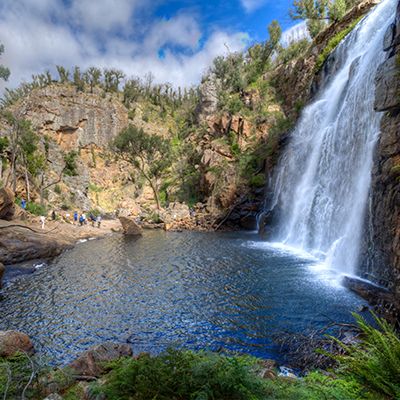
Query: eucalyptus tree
(150, 154)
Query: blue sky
(175, 40)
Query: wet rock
(130, 226)
(367, 290)
(91, 362)
(12, 342)
(388, 40)
(268, 369)
(7, 205)
(249, 222)
(387, 86)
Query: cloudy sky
(175, 40)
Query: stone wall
(382, 253)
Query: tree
(92, 77)
(78, 80)
(150, 154)
(314, 11)
(112, 79)
(337, 9)
(24, 151)
(63, 73)
(4, 71)
(4, 143)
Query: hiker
(81, 220)
(42, 221)
(75, 217)
(23, 204)
(92, 218)
(98, 219)
(53, 215)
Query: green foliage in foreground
(179, 375)
(18, 377)
(375, 362)
(183, 375)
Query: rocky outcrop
(76, 119)
(382, 250)
(130, 226)
(19, 243)
(12, 342)
(7, 204)
(92, 362)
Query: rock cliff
(382, 254)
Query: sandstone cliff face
(74, 119)
(383, 222)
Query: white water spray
(322, 182)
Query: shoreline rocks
(91, 362)
(12, 342)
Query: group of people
(78, 219)
(82, 219)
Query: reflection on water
(191, 290)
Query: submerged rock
(12, 342)
(91, 362)
(130, 226)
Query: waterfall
(322, 181)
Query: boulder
(12, 342)
(2, 270)
(92, 362)
(7, 204)
(130, 226)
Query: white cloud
(252, 5)
(42, 34)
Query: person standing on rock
(42, 221)
(98, 219)
(75, 217)
(23, 204)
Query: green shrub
(36, 209)
(19, 377)
(57, 189)
(94, 188)
(375, 361)
(71, 168)
(183, 375)
(257, 181)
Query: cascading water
(322, 182)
